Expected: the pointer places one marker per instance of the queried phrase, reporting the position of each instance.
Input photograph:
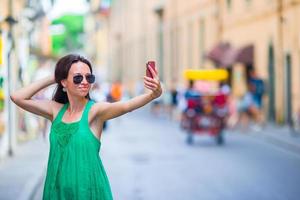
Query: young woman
(75, 170)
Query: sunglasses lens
(90, 78)
(77, 79)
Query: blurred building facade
(271, 29)
(9, 29)
(134, 33)
(25, 39)
(262, 35)
(96, 33)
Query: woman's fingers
(151, 80)
(154, 73)
(149, 88)
(155, 86)
(151, 85)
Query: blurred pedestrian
(244, 108)
(192, 97)
(75, 170)
(174, 94)
(174, 102)
(258, 90)
(116, 91)
(248, 109)
(98, 95)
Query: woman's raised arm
(22, 98)
(108, 111)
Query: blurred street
(21, 174)
(146, 158)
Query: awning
(224, 55)
(218, 52)
(229, 57)
(246, 55)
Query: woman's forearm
(30, 90)
(139, 101)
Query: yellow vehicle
(206, 74)
(206, 111)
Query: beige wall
(3, 9)
(291, 44)
(186, 39)
(133, 41)
(253, 23)
(19, 57)
(258, 23)
(192, 28)
(96, 48)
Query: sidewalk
(22, 173)
(281, 136)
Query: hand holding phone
(151, 80)
(152, 65)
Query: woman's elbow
(13, 97)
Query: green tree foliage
(70, 38)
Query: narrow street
(147, 158)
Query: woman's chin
(83, 94)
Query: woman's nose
(84, 81)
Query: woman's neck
(76, 105)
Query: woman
(74, 167)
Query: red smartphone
(152, 65)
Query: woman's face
(78, 89)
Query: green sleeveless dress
(75, 170)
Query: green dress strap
(84, 124)
(85, 115)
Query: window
(229, 4)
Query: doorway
(271, 85)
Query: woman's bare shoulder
(96, 109)
(99, 106)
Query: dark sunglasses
(77, 79)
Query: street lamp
(10, 21)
